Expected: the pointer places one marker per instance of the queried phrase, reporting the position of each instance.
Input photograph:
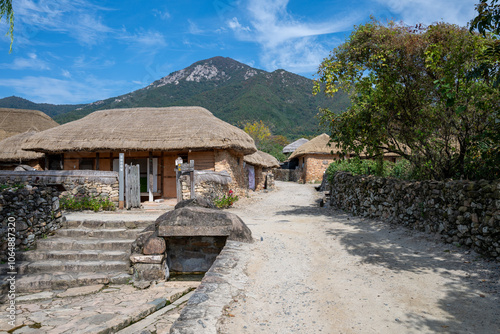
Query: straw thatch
(290, 148)
(10, 149)
(143, 129)
(262, 159)
(15, 121)
(317, 145)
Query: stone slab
(80, 291)
(35, 296)
(138, 258)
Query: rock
(154, 245)
(80, 291)
(142, 284)
(198, 202)
(139, 258)
(197, 221)
(149, 272)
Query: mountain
(234, 92)
(50, 109)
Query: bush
(81, 202)
(356, 166)
(225, 201)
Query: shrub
(225, 201)
(82, 202)
(356, 166)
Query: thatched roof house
(262, 159)
(144, 129)
(258, 166)
(314, 157)
(15, 121)
(148, 136)
(11, 151)
(290, 148)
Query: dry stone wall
(29, 213)
(463, 212)
(71, 182)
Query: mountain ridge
(232, 91)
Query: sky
(81, 51)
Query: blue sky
(80, 51)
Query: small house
(313, 158)
(258, 166)
(153, 138)
(16, 125)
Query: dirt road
(316, 270)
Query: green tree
(264, 140)
(7, 12)
(411, 94)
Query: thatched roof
(15, 121)
(293, 146)
(144, 129)
(10, 148)
(317, 145)
(262, 159)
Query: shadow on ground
(472, 297)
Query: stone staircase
(83, 252)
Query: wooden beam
(151, 175)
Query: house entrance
(144, 173)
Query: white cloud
(76, 18)
(285, 41)
(164, 15)
(32, 62)
(235, 25)
(430, 11)
(194, 29)
(59, 91)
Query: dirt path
(315, 270)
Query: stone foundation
(463, 212)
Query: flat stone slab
(138, 258)
(80, 291)
(101, 312)
(35, 296)
(199, 221)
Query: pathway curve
(316, 270)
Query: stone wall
(463, 212)
(83, 182)
(315, 167)
(232, 163)
(193, 253)
(33, 211)
(287, 174)
(207, 184)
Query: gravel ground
(317, 270)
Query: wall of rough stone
(463, 212)
(193, 254)
(208, 184)
(34, 212)
(287, 174)
(83, 182)
(315, 166)
(232, 163)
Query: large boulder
(199, 221)
(202, 202)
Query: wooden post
(150, 177)
(121, 180)
(178, 187)
(97, 161)
(47, 161)
(161, 174)
(191, 177)
(127, 186)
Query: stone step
(82, 255)
(84, 244)
(50, 266)
(97, 224)
(115, 233)
(62, 280)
